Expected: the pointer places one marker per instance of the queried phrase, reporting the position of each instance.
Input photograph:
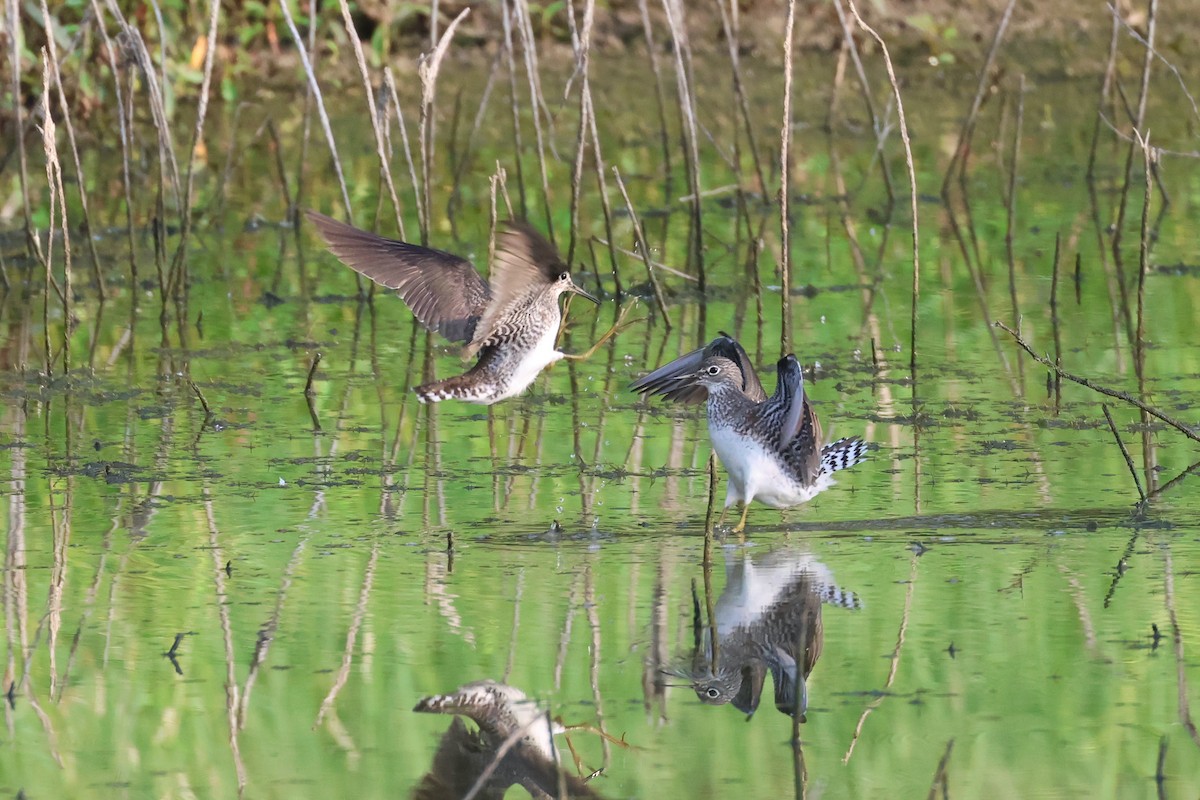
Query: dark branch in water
(1123, 396)
(208, 414)
(312, 371)
(1124, 451)
(939, 777)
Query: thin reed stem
(429, 74)
(640, 236)
(785, 188)
(302, 51)
(912, 185)
(385, 169)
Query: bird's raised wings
(443, 290)
(676, 381)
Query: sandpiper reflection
(767, 619)
(512, 745)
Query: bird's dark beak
(575, 288)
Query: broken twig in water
(1124, 451)
(312, 371)
(1123, 396)
(208, 414)
(939, 777)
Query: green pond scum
(242, 559)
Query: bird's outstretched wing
(443, 290)
(525, 263)
(676, 381)
(799, 429)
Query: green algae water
(252, 599)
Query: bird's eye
(712, 693)
(566, 276)
(713, 370)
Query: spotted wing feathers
(525, 264)
(443, 290)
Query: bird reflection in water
(768, 618)
(513, 744)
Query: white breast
(541, 356)
(757, 474)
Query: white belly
(756, 474)
(543, 355)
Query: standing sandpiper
(771, 447)
(510, 322)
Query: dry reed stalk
(656, 264)
(660, 99)
(515, 628)
(218, 209)
(430, 65)
(315, 87)
(58, 198)
(799, 767)
(179, 261)
(687, 110)
(1110, 70)
(306, 126)
(1054, 321)
(385, 169)
(460, 168)
(124, 126)
(582, 63)
(785, 189)
(643, 248)
(389, 83)
(16, 44)
(602, 183)
(731, 28)
(280, 169)
(537, 103)
(1011, 219)
(879, 127)
(81, 184)
(912, 184)
(1139, 341)
(168, 163)
(514, 104)
(968, 128)
(1139, 120)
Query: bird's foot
(617, 327)
(741, 526)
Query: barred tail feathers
(842, 454)
(460, 387)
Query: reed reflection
(767, 619)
